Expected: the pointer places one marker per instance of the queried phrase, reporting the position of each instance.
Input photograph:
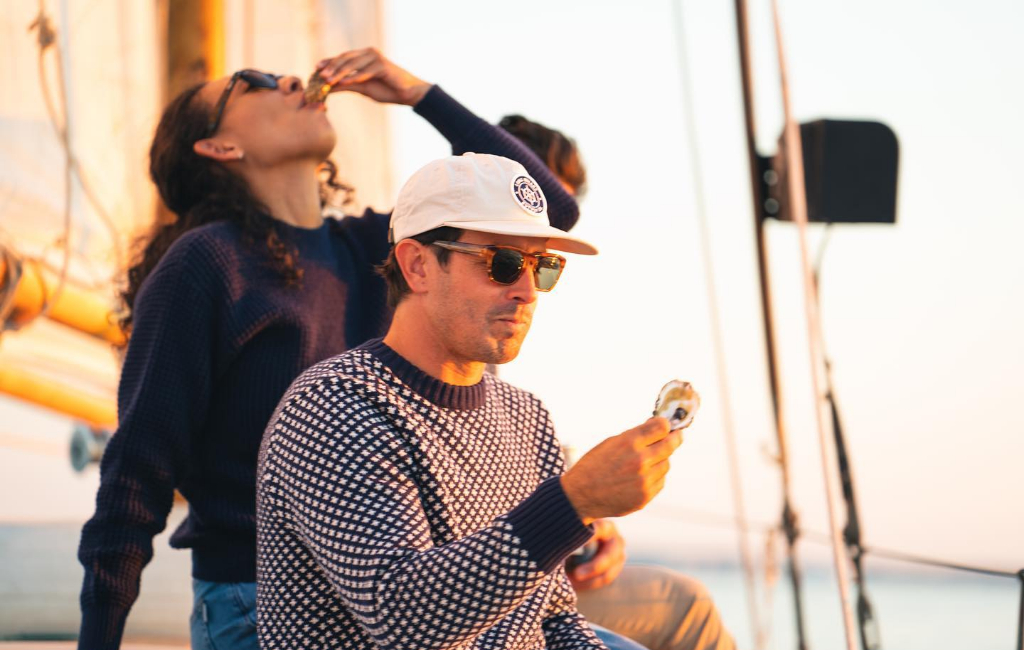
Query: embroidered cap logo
(528, 194)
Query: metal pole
(27, 290)
(789, 521)
(1020, 616)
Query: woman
(226, 305)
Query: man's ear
(217, 149)
(412, 260)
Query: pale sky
(922, 319)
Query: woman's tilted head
(197, 171)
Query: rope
(740, 521)
(47, 38)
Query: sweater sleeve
(162, 399)
(362, 519)
(564, 626)
(467, 132)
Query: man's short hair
(557, 150)
(398, 288)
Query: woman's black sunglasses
(505, 264)
(254, 78)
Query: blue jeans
(614, 641)
(223, 615)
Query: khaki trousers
(658, 608)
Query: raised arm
(370, 73)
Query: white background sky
(923, 319)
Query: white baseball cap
(479, 192)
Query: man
(656, 607)
(406, 499)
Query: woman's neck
(291, 193)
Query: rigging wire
(47, 39)
(798, 209)
(757, 167)
(716, 520)
(869, 630)
(87, 188)
(870, 637)
(88, 285)
(740, 518)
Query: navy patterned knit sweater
(216, 341)
(397, 511)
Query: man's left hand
(370, 73)
(606, 565)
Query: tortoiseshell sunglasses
(254, 78)
(505, 264)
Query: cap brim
(558, 240)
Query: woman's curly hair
(197, 191)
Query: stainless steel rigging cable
(797, 197)
(870, 637)
(743, 532)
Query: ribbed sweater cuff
(548, 526)
(449, 117)
(102, 627)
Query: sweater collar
(304, 236)
(434, 390)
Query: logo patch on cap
(528, 194)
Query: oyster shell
(678, 402)
(317, 89)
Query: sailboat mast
(757, 169)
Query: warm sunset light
(807, 214)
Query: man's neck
(290, 192)
(410, 337)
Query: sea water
(921, 610)
(915, 609)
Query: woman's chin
(325, 145)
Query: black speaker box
(850, 172)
